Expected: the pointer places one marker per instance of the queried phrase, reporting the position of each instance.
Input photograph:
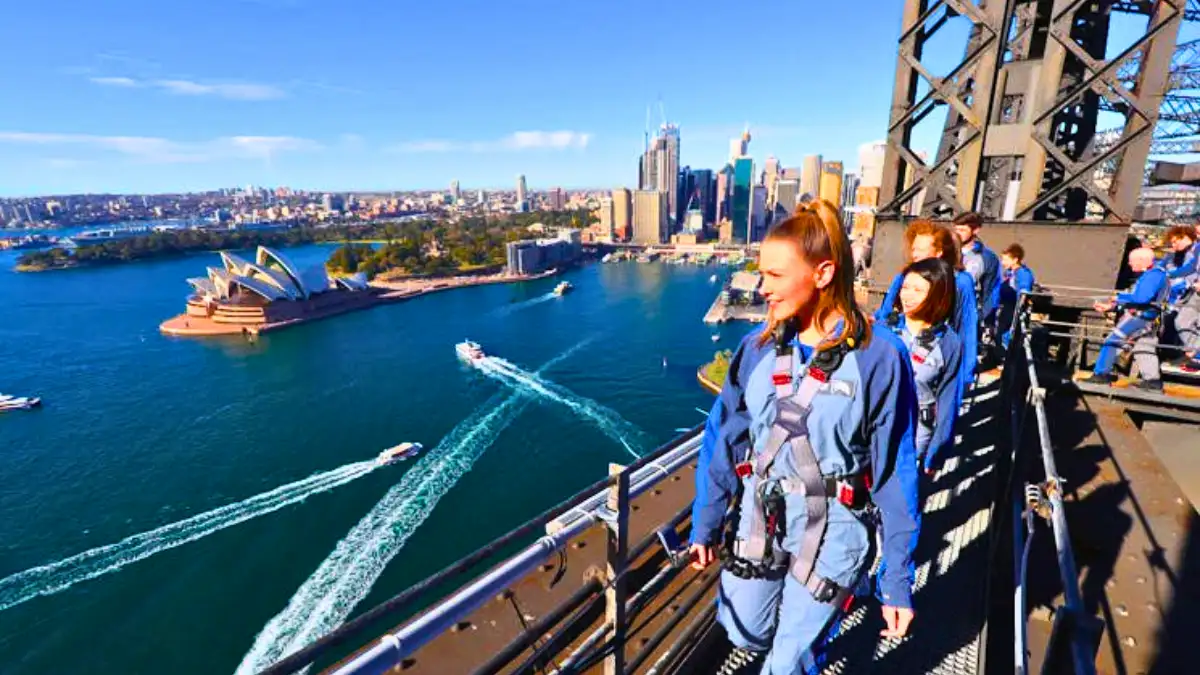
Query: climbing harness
(759, 555)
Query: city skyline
(136, 98)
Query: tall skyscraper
(704, 191)
(622, 214)
(607, 217)
(740, 200)
(831, 183)
(758, 214)
(810, 176)
(792, 173)
(521, 196)
(740, 146)
(660, 167)
(786, 193)
(722, 196)
(454, 191)
(870, 164)
(650, 221)
(557, 199)
(849, 190)
(770, 178)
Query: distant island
(425, 247)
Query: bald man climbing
(1137, 317)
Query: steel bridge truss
(1020, 139)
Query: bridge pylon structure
(1021, 108)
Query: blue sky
(153, 96)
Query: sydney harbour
(175, 488)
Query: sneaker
(738, 661)
(1096, 378)
(1150, 385)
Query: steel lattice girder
(962, 150)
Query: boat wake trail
(55, 577)
(607, 420)
(518, 306)
(327, 597)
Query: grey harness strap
(791, 425)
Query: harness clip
(781, 378)
(744, 469)
(818, 375)
(917, 358)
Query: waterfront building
(650, 219)
(659, 169)
(704, 191)
(622, 214)
(268, 291)
(721, 196)
(533, 256)
(831, 183)
(810, 176)
(741, 198)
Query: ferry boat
(8, 402)
(469, 351)
(399, 453)
(562, 288)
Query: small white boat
(469, 351)
(399, 453)
(713, 279)
(562, 288)
(19, 402)
(716, 338)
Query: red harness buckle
(781, 378)
(818, 374)
(743, 469)
(918, 358)
(846, 494)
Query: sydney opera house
(248, 297)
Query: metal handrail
(390, 649)
(407, 599)
(1081, 656)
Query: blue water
(139, 431)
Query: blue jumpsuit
(1140, 313)
(1181, 275)
(965, 322)
(1005, 296)
(984, 267)
(936, 362)
(861, 420)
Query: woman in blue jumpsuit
(926, 301)
(815, 420)
(927, 239)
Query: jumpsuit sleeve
(1146, 290)
(1024, 280)
(947, 403)
(1187, 268)
(892, 410)
(726, 433)
(967, 327)
(889, 300)
(993, 302)
(990, 282)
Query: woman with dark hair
(926, 300)
(813, 424)
(927, 239)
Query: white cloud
(234, 91)
(115, 81)
(154, 150)
(240, 92)
(514, 142)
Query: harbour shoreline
(380, 293)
